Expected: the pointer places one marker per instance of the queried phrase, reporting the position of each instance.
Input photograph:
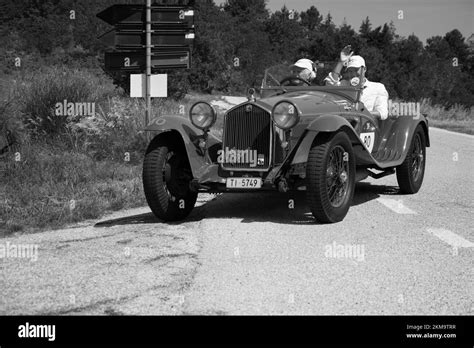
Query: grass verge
(45, 186)
(457, 118)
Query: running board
(381, 175)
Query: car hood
(308, 102)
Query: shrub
(12, 129)
(116, 131)
(453, 113)
(40, 92)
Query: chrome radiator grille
(248, 127)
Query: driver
(305, 69)
(374, 95)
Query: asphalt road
(253, 254)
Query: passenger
(374, 94)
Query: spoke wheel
(417, 158)
(411, 172)
(330, 173)
(337, 176)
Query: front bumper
(213, 179)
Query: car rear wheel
(166, 178)
(411, 172)
(330, 173)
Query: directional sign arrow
(135, 14)
(135, 38)
(135, 60)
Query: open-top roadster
(294, 137)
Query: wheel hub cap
(343, 177)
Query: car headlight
(202, 115)
(285, 115)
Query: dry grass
(63, 173)
(457, 118)
(50, 186)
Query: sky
(424, 18)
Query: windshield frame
(352, 93)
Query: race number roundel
(368, 140)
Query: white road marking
(451, 238)
(396, 206)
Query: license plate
(246, 183)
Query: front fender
(178, 128)
(324, 123)
(329, 123)
(172, 122)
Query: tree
(345, 35)
(211, 52)
(457, 44)
(286, 35)
(365, 29)
(438, 47)
(247, 9)
(311, 19)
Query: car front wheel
(330, 174)
(166, 178)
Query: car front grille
(248, 127)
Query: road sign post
(146, 39)
(148, 62)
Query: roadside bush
(39, 93)
(456, 112)
(116, 131)
(12, 129)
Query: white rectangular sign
(158, 82)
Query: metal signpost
(148, 62)
(148, 38)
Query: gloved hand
(346, 54)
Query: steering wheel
(291, 79)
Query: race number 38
(368, 140)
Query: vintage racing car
(295, 136)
